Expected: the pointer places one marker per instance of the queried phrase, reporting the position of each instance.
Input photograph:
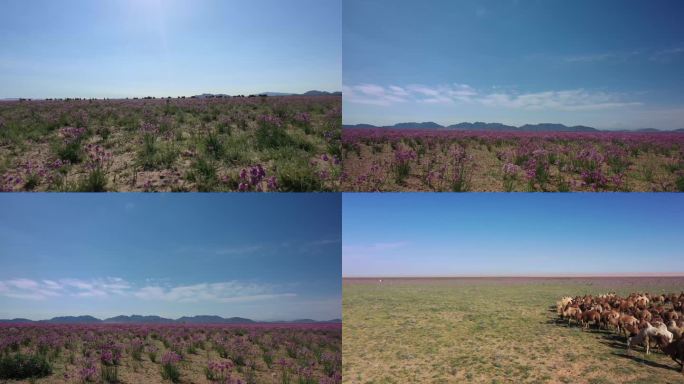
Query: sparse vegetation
(488, 330)
(170, 144)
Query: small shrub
(235, 149)
(70, 152)
(109, 373)
(213, 146)
(563, 186)
(271, 134)
(136, 349)
(152, 356)
(32, 181)
(203, 174)
(285, 371)
(169, 366)
(154, 156)
(402, 165)
(680, 183)
(218, 371)
(461, 171)
(104, 132)
(295, 175)
(95, 181)
(19, 366)
(268, 359)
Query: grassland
(404, 160)
(286, 143)
(488, 331)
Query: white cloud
(230, 291)
(398, 91)
(40, 290)
(23, 284)
(375, 94)
(97, 287)
(564, 100)
(223, 292)
(571, 100)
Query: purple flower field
(260, 143)
(442, 160)
(221, 354)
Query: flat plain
(489, 330)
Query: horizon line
(284, 93)
(177, 318)
(646, 274)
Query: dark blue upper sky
(82, 48)
(263, 256)
(444, 234)
(610, 64)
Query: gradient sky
(447, 234)
(607, 64)
(260, 256)
(112, 48)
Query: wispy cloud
(570, 100)
(43, 289)
(374, 247)
(318, 246)
(375, 94)
(667, 55)
(249, 250)
(663, 55)
(231, 291)
(224, 292)
(613, 56)
(564, 100)
(242, 250)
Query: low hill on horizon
(274, 94)
(138, 319)
(499, 127)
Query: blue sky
(446, 234)
(261, 256)
(609, 64)
(83, 48)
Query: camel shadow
(636, 357)
(616, 343)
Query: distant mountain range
(138, 319)
(498, 127)
(309, 93)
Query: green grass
(208, 139)
(460, 331)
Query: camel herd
(652, 321)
